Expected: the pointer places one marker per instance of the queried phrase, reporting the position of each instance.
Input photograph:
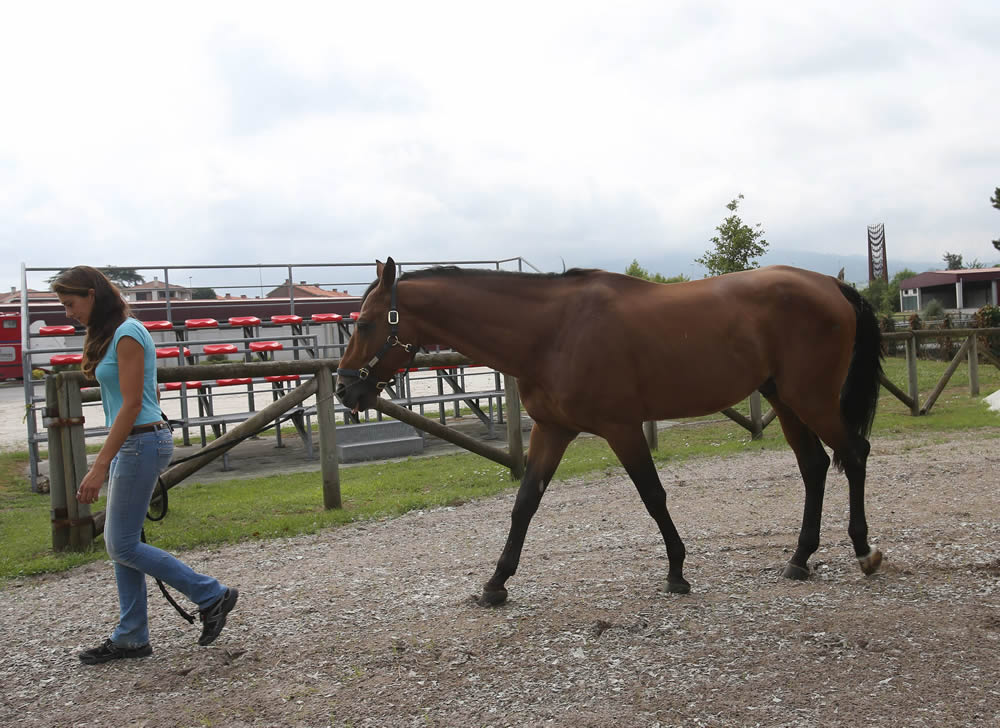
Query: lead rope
(142, 537)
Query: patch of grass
(286, 505)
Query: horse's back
(716, 339)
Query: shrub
(933, 310)
(946, 346)
(988, 317)
(915, 325)
(887, 325)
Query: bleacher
(206, 405)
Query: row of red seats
(211, 323)
(257, 347)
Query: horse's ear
(386, 271)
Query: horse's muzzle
(355, 393)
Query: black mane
(453, 271)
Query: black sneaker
(213, 618)
(110, 651)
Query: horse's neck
(484, 319)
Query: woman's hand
(90, 486)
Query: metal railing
(338, 276)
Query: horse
(601, 352)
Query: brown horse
(600, 352)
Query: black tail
(859, 396)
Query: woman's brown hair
(109, 312)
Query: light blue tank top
(107, 375)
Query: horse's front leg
(545, 450)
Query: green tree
(737, 246)
(953, 261)
(892, 294)
(877, 294)
(996, 203)
(203, 294)
(637, 271)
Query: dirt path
(374, 624)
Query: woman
(121, 353)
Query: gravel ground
(375, 624)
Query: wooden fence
(74, 527)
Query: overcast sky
(590, 133)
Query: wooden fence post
(757, 429)
(74, 462)
(57, 487)
(82, 532)
(515, 443)
(651, 433)
(973, 366)
(326, 415)
(911, 370)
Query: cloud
(554, 131)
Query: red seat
(214, 349)
(355, 315)
(174, 386)
(283, 378)
(171, 351)
(61, 359)
(158, 325)
(286, 318)
(231, 382)
(202, 323)
(57, 330)
(259, 346)
(326, 318)
(244, 321)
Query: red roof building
(156, 290)
(965, 290)
(304, 290)
(15, 296)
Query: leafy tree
(202, 294)
(737, 246)
(892, 294)
(996, 203)
(953, 261)
(877, 294)
(637, 271)
(123, 277)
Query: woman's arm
(130, 378)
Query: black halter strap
(392, 340)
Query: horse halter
(392, 340)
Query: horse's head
(377, 347)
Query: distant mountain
(673, 262)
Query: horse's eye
(365, 326)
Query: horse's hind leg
(631, 448)
(545, 450)
(851, 453)
(813, 465)
(855, 462)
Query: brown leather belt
(151, 427)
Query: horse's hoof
(793, 571)
(870, 563)
(493, 597)
(678, 587)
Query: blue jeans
(131, 480)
